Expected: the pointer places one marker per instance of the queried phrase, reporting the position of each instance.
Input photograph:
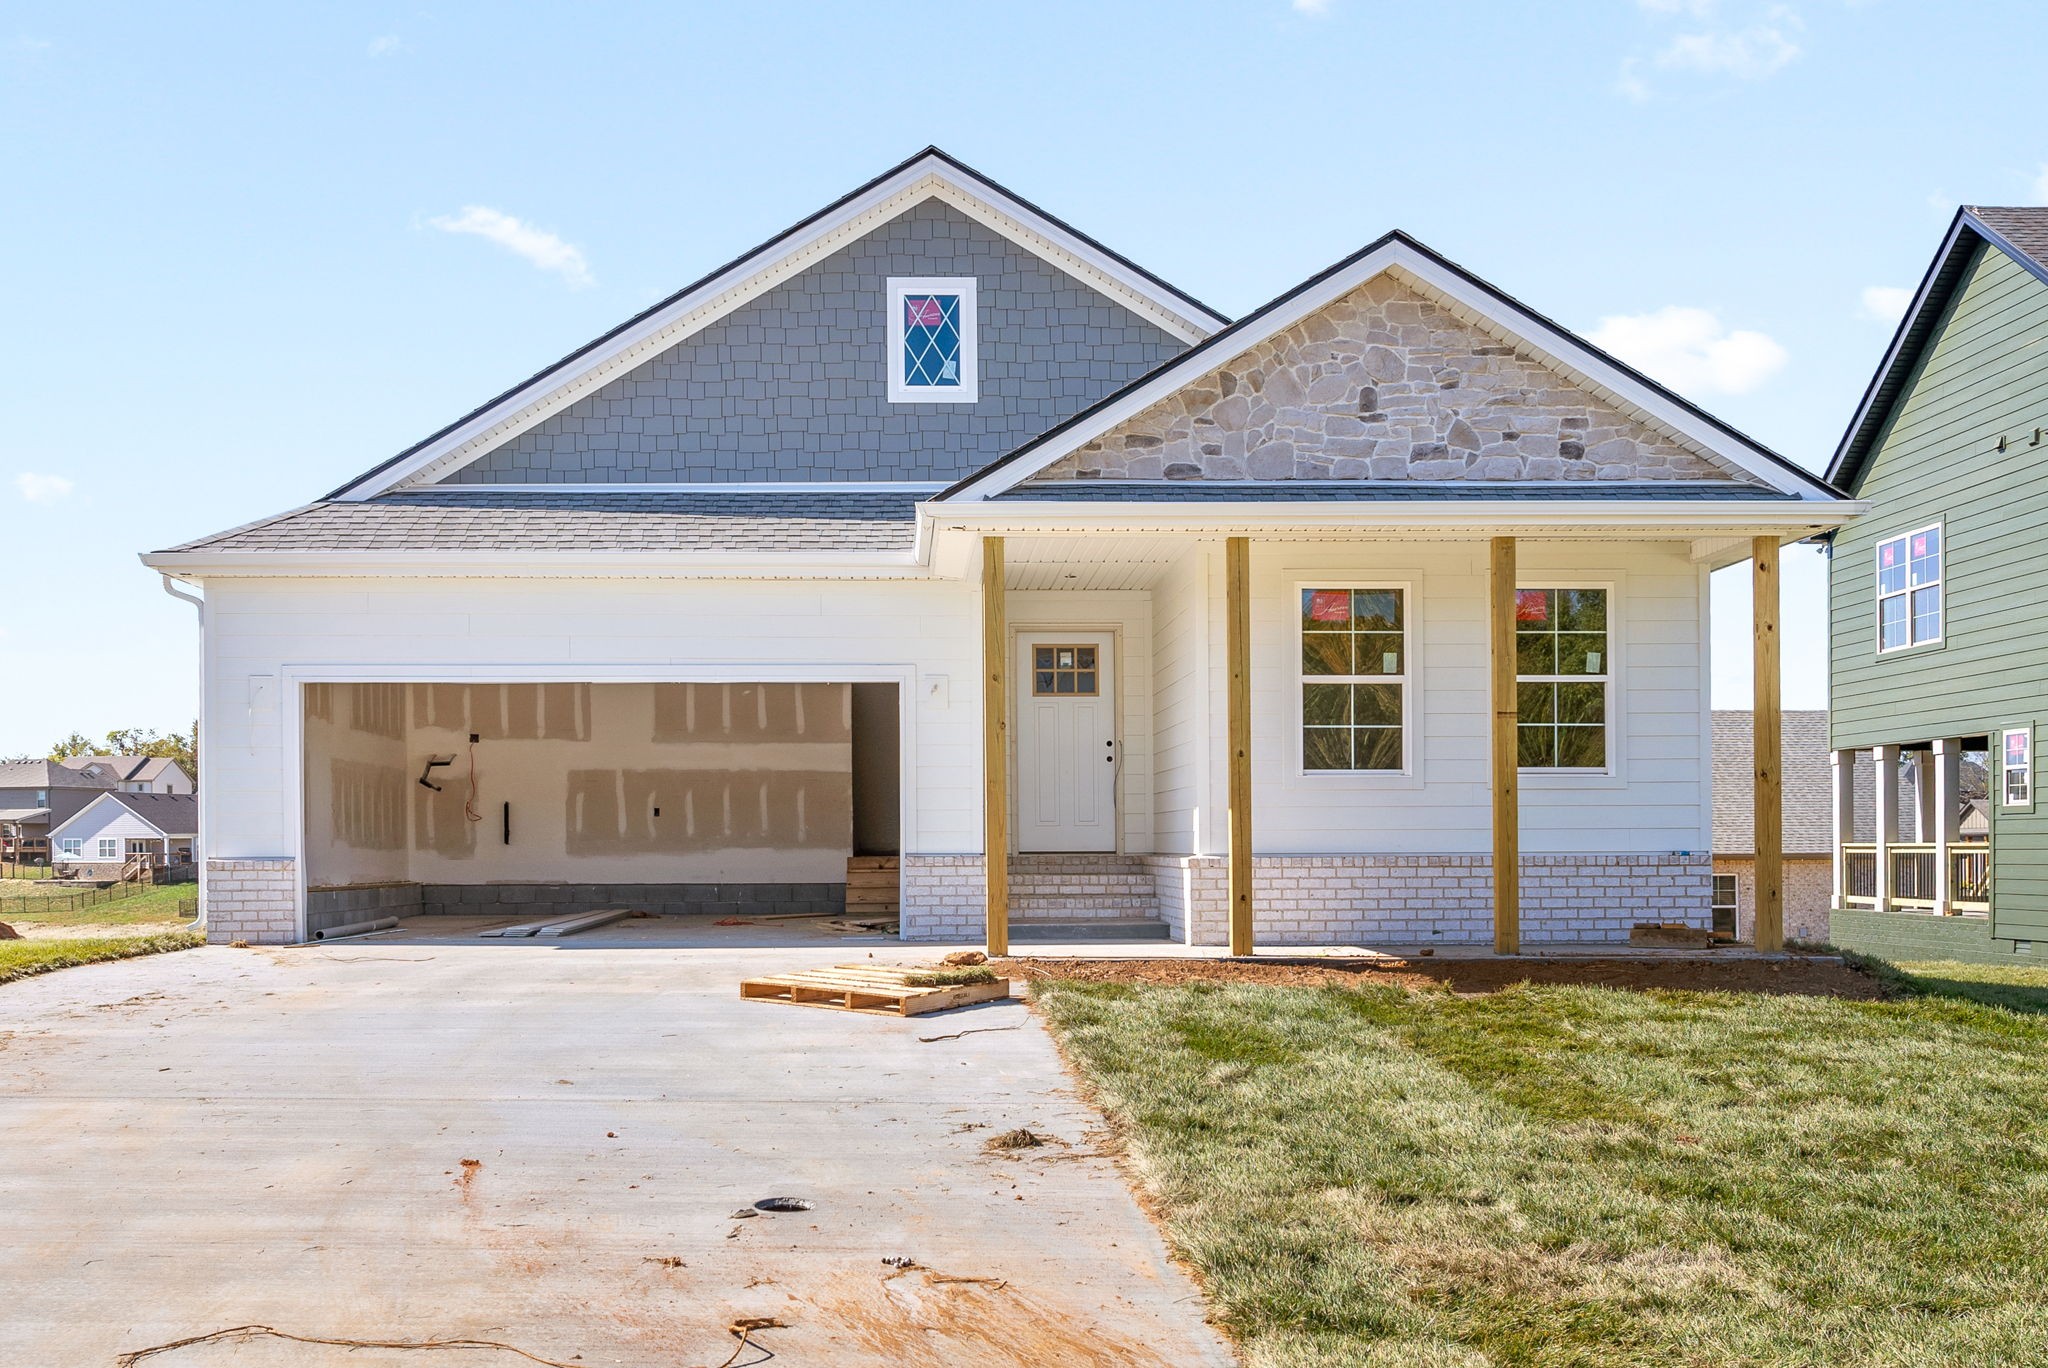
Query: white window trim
(968, 391)
(104, 842)
(1410, 674)
(2004, 769)
(1611, 680)
(72, 847)
(1879, 596)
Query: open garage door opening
(533, 800)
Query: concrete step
(1102, 929)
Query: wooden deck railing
(1913, 870)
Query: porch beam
(1507, 765)
(995, 748)
(1237, 653)
(1768, 787)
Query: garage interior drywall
(701, 784)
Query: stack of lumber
(872, 886)
(872, 988)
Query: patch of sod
(1581, 1176)
(21, 958)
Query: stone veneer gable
(1385, 384)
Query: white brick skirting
(943, 898)
(1439, 899)
(1392, 900)
(251, 900)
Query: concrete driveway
(427, 1135)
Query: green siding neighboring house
(1953, 438)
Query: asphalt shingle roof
(1375, 491)
(483, 519)
(2026, 228)
(45, 774)
(1809, 788)
(174, 814)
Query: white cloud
(2041, 184)
(1886, 303)
(42, 488)
(1630, 82)
(542, 248)
(389, 45)
(1691, 351)
(1749, 54)
(1315, 7)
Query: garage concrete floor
(429, 1135)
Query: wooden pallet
(869, 988)
(873, 885)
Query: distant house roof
(1808, 799)
(128, 769)
(45, 774)
(172, 814)
(2021, 233)
(23, 814)
(482, 519)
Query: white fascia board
(1548, 343)
(756, 274)
(1634, 518)
(202, 565)
(714, 487)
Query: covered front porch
(1334, 739)
(1912, 827)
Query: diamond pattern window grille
(931, 340)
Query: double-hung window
(110, 848)
(1727, 903)
(1354, 679)
(1564, 668)
(1909, 590)
(71, 845)
(932, 341)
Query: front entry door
(1067, 758)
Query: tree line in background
(182, 747)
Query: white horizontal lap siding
(1655, 800)
(578, 630)
(107, 820)
(1180, 713)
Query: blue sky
(253, 250)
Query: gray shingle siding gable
(792, 386)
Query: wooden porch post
(995, 747)
(1768, 787)
(1237, 653)
(1507, 764)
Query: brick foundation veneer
(1363, 899)
(253, 900)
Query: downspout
(198, 923)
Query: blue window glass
(931, 340)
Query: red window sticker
(1532, 605)
(1329, 605)
(922, 311)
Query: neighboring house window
(71, 845)
(1354, 678)
(2016, 767)
(932, 341)
(110, 848)
(1563, 668)
(42, 797)
(1909, 590)
(1725, 903)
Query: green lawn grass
(163, 904)
(1563, 1176)
(20, 958)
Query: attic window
(931, 353)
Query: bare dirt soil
(1808, 977)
